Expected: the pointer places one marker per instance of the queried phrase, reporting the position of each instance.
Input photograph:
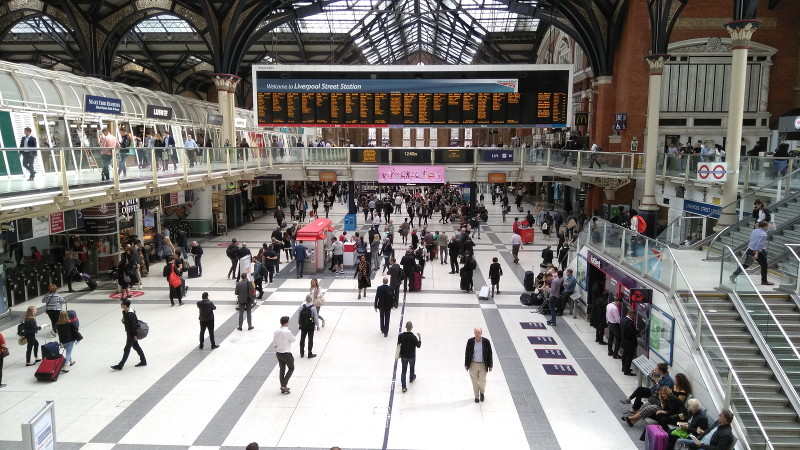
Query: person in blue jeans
(68, 335)
(300, 258)
(555, 295)
(408, 343)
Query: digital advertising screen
(528, 95)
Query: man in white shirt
(614, 331)
(516, 244)
(191, 149)
(282, 340)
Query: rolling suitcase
(50, 369)
(416, 282)
(50, 350)
(484, 293)
(528, 282)
(193, 272)
(655, 438)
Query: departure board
(305, 97)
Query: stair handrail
(670, 225)
(794, 249)
(736, 224)
(733, 379)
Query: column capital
(656, 63)
(741, 32)
(604, 79)
(225, 81)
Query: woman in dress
(317, 298)
(362, 273)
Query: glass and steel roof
(392, 31)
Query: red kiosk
(527, 234)
(313, 237)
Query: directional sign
(559, 369)
(550, 353)
(532, 325)
(541, 340)
(712, 171)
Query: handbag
(174, 280)
(4, 352)
(78, 336)
(319, 301)
(397, 352)
(22, 341)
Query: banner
(387, 86)
(103, 105)
(411, 174)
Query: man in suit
(478, 362)
(408, 261)
(395, 273)
(384, 300)
(28, 156)
(245, 300)
(206, 308)
(629, 343)
(300, 258)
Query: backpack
(306, 318)
(22, 329)
(767, 215)
(641, 225)
(142, 329)
(231, 251)
(258, 270)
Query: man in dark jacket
(233, 254)
(453, 249)
(28, 156)
(197, 252)
(408, 261)
(131, 323)
(478, 362)
(244, 300)
(206, 308)
(395, 273)
(409, 343)
(547, 256)
(384, 300)
(629, 344)
(720, 432)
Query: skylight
(41, 24)
(164, 24)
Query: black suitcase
(528, 282)
(92, 284)
(193, 272)
(50, 350)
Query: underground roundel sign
(797, 123)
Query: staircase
(768, 399)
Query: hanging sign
(159, 112)
(103, 105)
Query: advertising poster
(661, 334)
(580, 271)
(411, 174)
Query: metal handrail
(736, 202)
(791, 248)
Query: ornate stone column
(649, 207)
(226, 89)
(741, 32)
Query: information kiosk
(313, 237)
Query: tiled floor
(350, 394)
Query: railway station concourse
(687, 112)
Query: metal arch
(661, 23)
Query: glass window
(51, 95)
(35, 96)
(71, 99)
(9, 90)
(177, 111)
(135, 107)
(81, 92)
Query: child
(495, 272)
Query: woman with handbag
(172, 273)
(3, 353)
(68, 335)
(31, 328)
(318, 299)
(124, 279)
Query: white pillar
(656, 63)
(741, 31)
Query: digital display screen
(305, 96)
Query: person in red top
(2, 357)
(36, 254)
(343, 236)
(515, 227)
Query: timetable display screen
(303, 96)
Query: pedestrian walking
(131, 324)
(31, 328)
(206, 317)
(319, 301)
(282, 339)
(384, 300)
(478, 362)
(232, 252)
(68, 336)
(309, 322)
(756, 251)
(245, 297)
(363, 275)
(54, 303)
(172, 272)
(495, 272)
(408, 344)
(516, 244)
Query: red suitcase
(49, 369)
(416, 282)
(656, 438)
